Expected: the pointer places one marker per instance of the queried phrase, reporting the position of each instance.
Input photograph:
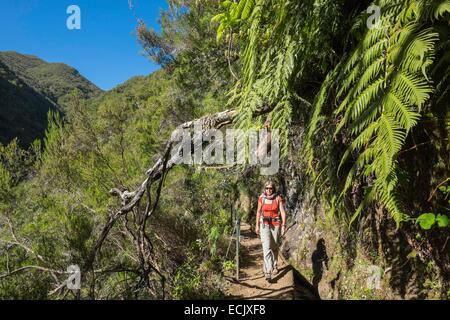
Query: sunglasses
(269, 188)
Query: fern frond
(414, 88)
(394, 105)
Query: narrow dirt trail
(252, 284)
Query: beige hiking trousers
(270, 238)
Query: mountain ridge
(31, 87)
(54, 80)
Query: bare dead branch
(23, 246)
(21, 269)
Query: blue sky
(105, 50)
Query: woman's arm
(258, 213)
(283, 219)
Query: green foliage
(427, 220)
(104, 143)
(387, 92)
(187, 282)
(59, 207)
(192, 281)
(213, 238)
(383, 88)
(55, 81)
(30, 87)
(442, 220)
(282, 42)
(361, 94)
(186, 47)
(23, 110)
(234, 14)
(229, 265)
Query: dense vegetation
(23, 110)
(54, 80)
(372, 102)
(30, 87)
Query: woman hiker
(268, 224)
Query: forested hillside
(54, 80)
(30, 88)
(365, 169)
(23, 110)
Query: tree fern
(383, 88)
(380, 90)
(278, 37)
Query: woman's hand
(257, 229)
(283, 230)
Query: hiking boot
(275, 271)
(268, 277)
